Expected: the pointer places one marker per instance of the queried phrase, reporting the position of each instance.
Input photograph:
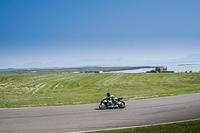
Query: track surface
(88, 117)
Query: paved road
(88, 117)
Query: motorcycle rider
(112, 97)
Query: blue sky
(69, 30)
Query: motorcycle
(109, 103)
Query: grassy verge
(34, 90)
(186, 127)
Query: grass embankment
(34, 90)
(186, 127)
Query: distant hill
(33, 65)
(191, 58)
(102, 62)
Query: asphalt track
(88, 117)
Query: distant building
(98, 71)
(65, 72)
(161, 69)
(75, 72)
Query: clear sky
(69, 30)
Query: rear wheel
(102, 106)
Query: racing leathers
(113, 98)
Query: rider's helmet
(108, 94)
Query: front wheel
(102, 106)
(122, 105)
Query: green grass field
(34, 90)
